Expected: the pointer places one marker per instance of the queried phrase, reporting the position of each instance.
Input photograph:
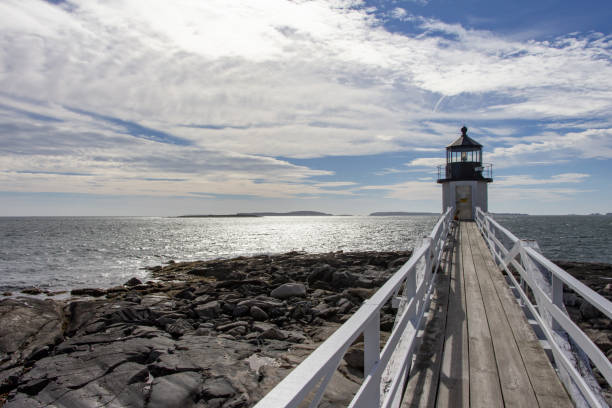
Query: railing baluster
(371, 357)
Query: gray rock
(241, 310)
(157, 301)
(175, 390)
(165, 319)
(360, 293)
(237, 331)
(95, 292)
(258, 313)
(295, 337)
(116, 290)
(288, 290)
(81, 313)
(354, 356)
(218, 273)
(342, 279)
(170, 364)
(132, 314)
(262, 327)
(229, 326)
(186, 293)
(570, 299)
(321, 272)
(32, 291)
(217, 388)
(264, 303)
(201, 299)
(9, 378)
(120, 388)
(364, 283)
(589, 311)
(133, 282)
(203, 331)
(345, 308)
(324, 310)
(26, 326)
(179, 327)
(274, 334)
(208, 310)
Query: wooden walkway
(478, 349)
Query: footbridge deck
(474, 306)
(478, 348)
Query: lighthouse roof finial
(464, 141)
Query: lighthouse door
(463, 202)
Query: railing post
(371, 357)
(428, 257)
(557, 298)
(410, 285)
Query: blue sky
(165, 108)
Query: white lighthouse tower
(464, 185)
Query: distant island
(522, 214)
(217, 216)
(287, 214)
(400, 213)
(258, 214)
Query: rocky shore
(215, 333)
(207, 334)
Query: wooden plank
(546, 384)
(485, 390)
(424, 375)
(454, 382)
(515, 385)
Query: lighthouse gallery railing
(544, 281)
(384, 371)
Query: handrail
(546, 281)
(314, 373)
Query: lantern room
(464, 185)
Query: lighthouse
(464, 178)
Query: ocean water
(58, 253)
(586, 238)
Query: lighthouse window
(463, 156)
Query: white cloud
(535, 196)
(527, 180)
(242, 82)
(427, 162)
(409, 190)
(553, 147)
(399, 13)
(335, 184)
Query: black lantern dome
(464, 160)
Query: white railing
(380, 388)
(545, 280)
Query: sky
(151, 107)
